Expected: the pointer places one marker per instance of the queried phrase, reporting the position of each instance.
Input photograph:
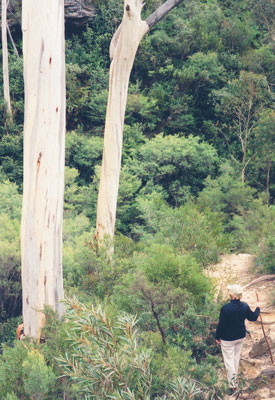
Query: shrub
(184, 389)
(8, 330)
(167, 290)
(10, 277)
(11, 396)
(266, 246)
(24, 373)
(187, 229)
(38, 378)
(11, 373)
(177, 164)
(105, 359)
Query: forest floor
(255, 355)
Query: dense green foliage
(197, 180)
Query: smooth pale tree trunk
(5, 59)
(123, 49)
(44, 148)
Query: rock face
(77, 12)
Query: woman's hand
(218, 341)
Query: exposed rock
(268, 373)
(77, 12)
(266, 378)
(260, 348)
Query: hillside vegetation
(197, 181)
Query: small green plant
(38, 377)
(105, 359)
(8, 330)
(186, 388)
(11, 373)
(11, 396)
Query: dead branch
(160, 13)
(261, 279)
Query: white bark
(44, 148)
(122, 51)
(5, 59)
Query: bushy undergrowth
(266, 247)
(159, 279)
(105, 358)
(97, 354)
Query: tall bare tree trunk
(5, 56)
(123, 49)
(44, 148)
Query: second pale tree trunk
(123, 49)
(44, 148)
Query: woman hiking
(231, 331)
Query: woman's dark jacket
(232, 316)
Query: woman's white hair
(235, 291)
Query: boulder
(260, 348)
(268, 373)
(77, 12)
(266, 379)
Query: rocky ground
(255, 355)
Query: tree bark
(44, 150)
(161, 12)
(5, 58)
(123, 49)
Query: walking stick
(268, 345)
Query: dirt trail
(239, 269)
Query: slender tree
(5, 58)
(44, 138)
(264, 149)
(241, 102)
(123, 49)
